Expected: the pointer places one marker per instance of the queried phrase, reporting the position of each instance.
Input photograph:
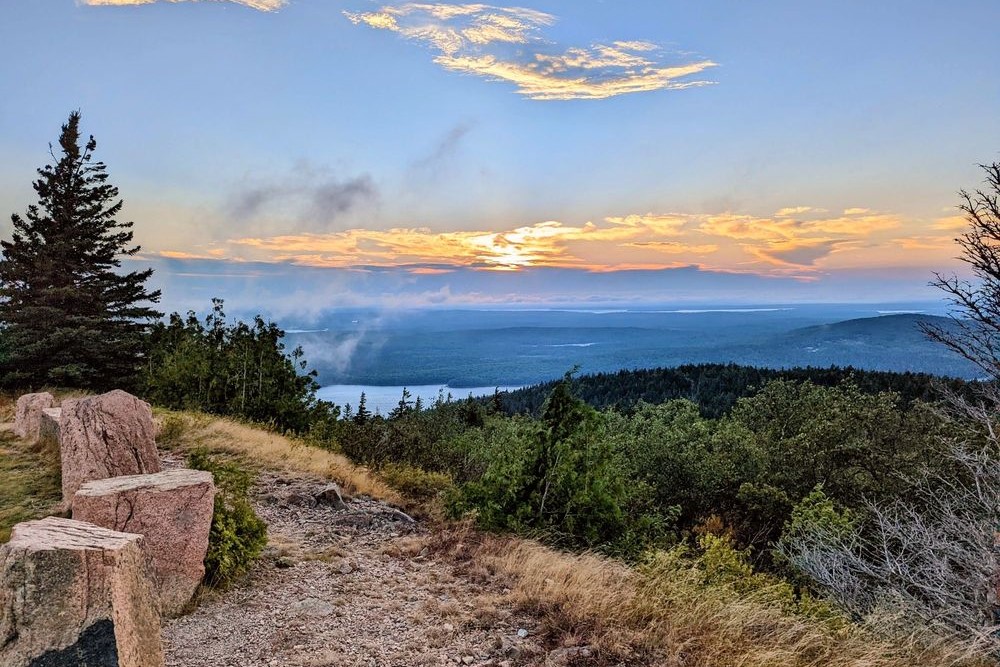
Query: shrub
(415, 482)
(238, 535)
(560, 476)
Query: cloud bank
(795, 241)
(261, 5)
(508, 44)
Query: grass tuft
(185, 432)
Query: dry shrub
(664, 614)
(186, 431)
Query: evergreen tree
(70, 316)
(362, 416)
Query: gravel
(349, 587)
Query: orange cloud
(475, 39)
(261, 5)
(795, 241)
(951, 223)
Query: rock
(299, 498)
(28, 415)
(71, 594)
(522, 633)
(285, 562)
(313, 607)
(330, 495)
(173, 510)
(345, 567)
(566, 656)
(468, 659)
(105, 436)
(48, 427)
(399, 516)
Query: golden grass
(667, 616)
(184, 431)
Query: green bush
(415, 482)
(560, 476)
(238, 535)
(239, 369)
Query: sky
(300, 155)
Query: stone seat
(72, 593)
(172, 510)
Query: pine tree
(70, 315)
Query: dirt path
(349, 587)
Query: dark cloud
(309, 199)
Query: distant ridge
(717, 387)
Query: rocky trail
(349, 584)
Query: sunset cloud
(785, 243)
(507, 44)
(951, 223)
(262, 5)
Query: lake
(383, 399)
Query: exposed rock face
(172, 510)
(105, 436)
(48, 427)
(75, 594)
(29, 413)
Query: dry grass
(184, 431)
(667, 616)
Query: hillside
(516, 348)
(716, 387)
(366, 585)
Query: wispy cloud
(262, 5)
(508, 44)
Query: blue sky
(798, 148)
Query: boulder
(105, 436)
(48, 427)
(29, 413)
(172, 510)
(72, 594)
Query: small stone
(522, 633)
(399, 516)
(448, 627)
(345, 567)
(561, 657)
(467, 660)
(285, 562)
(313, 607)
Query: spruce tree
(70, 315)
